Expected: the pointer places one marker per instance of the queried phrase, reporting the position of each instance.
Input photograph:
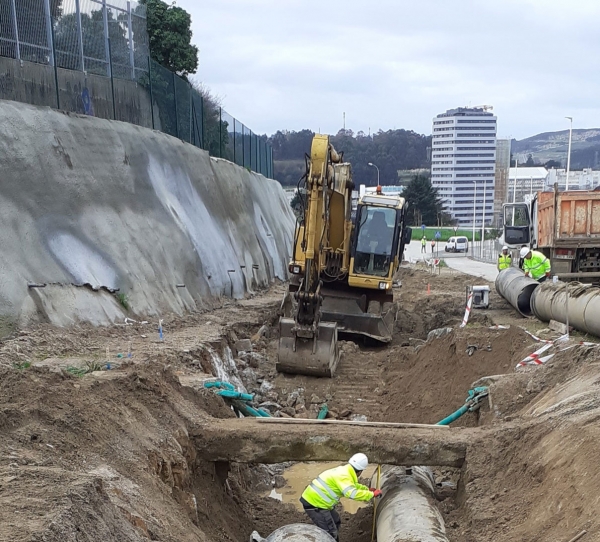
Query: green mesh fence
(92, 59)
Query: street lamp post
(474, 207)
(569, 152)
(483, 218)
(373, 165)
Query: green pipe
(454, 416)
(323, 412)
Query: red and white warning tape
(531, 358)
(467, 310)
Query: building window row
(475, 175)
(444, 148)
(478, 141)
(443, 122)
(471, 168)
(470, 155)
(472, 135)
(472, 128)
(476, 161)
(487, 121)
(493, 148)
(443, 129)
(441, 175)
(442, 162)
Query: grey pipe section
(407, 510)
(516, 288)
(581, 302)
(296, 532)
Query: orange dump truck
(565, 226)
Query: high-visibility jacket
(330, 486)
(504, 261)
(423, 242)
(537, 266)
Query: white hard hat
(359, 461)
(524, 252)
(504, 247)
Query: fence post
(234, 130)
(202, 120)
(55, 66)
(130, 35)
(191, 111)
(250, 153)
(16, 30)
(243, 146)
(112, 81)
(49, 30)
(175, 98)
(220, 134)
(106, 38)
(80, 33)
(151, 92)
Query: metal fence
(91, 36)
(85, 41)
(488, 251)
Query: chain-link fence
(92, 57)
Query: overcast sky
(294, 64)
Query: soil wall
(89, 206)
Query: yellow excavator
(342, 269)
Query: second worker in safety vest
(504, 259)
(325, 491)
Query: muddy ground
(89, 454)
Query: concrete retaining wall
(117, 206)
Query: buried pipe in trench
(572, 302)
(407, 509)
(295, 532)
(517, 289)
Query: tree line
(390, 151)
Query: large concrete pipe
(516, 288)
(407, 510)
(296, 532)
(581, 302)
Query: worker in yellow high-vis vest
(325, 491)
(535, 264)
(504, 259)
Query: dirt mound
(429, 384)
(85, 458)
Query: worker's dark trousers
(328, 520)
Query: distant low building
(522, 181)
(586, 179)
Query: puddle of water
(298, 476)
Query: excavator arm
(306, 344)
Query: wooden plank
(304, 421)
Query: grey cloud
(396, 63)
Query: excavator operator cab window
(375, 240)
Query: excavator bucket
(313, 356)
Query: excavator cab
(377, 240)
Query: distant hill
(585, 148)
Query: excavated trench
(121, 451)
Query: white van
(457, 244)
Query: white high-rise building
(463, 163)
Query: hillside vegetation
(390, 151)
